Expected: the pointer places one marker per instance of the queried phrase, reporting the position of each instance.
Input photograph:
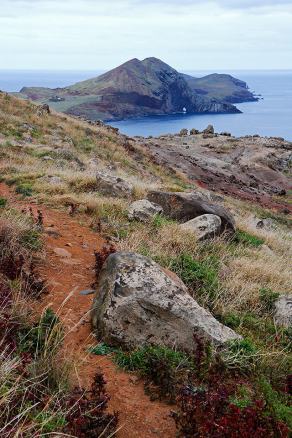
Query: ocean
(271, 116)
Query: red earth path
(68, 269)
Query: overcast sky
(187, 34)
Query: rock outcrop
(252, 168)
(186, 206)
(138, 303)
(114, 186)
(283, 313)
(143, 210)
(204, 227)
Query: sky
(187, 34)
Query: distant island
(143, 88)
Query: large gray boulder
(203, 227)
(137, 302)
(185, 206)
(143, 210)
(112, 185)
(283, 311)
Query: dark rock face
(186, 206)
(136, 88)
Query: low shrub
(3, 202)
(87, 412)
(199, 275)
(161, 366)
(267, 299)
(208, 413)
(240, 355)
(277, 404)
(24, 189)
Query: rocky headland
(142, 88)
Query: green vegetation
(31, 239)
(242, 398)
(240, 355)
(161, 366)
(278, 404)
(247, 239)
(3, 202)
(268, 298)
(46, 332)
(24, 189)
(199, 275)
(102, 349)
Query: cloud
(188, 34)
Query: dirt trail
(67, 273)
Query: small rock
(283, 313)
(183, 132)
(43, 110)
(61, 252)
(194, 131)
(53, 180)
(87, 292)
(111, 185)
(52, 233)
(209, 130)
(204, 227)
(143, 210)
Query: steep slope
(134, 89)
(51, 160)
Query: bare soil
(67, 273)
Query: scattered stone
(204, 227)
(186, 206)
(72, 262)
(283, 313)
(53, 180)
(137, 303)
(194, 131)
(209, 130)
(111, 185)
(52, 233)
(266, 224)
(143, 210)
(226, 134)
(183, 132)
(47, 158)
(87, 292)
(43, 110)
(61, 252)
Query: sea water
(271, 116)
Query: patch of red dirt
(67, 273)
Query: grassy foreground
(241, 391)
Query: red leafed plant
(87, 415)
(209, 414)
(101, 256)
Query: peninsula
(141, 88)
